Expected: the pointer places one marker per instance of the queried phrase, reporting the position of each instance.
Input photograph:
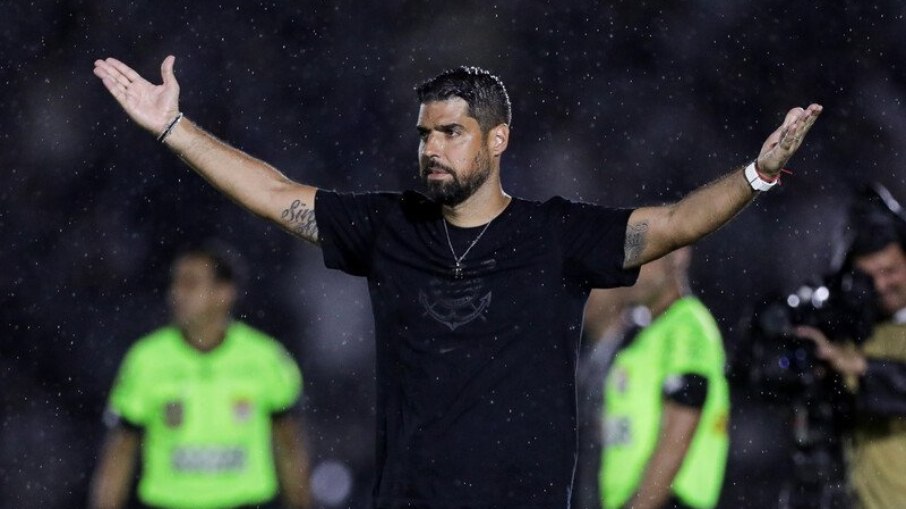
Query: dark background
(621, 104)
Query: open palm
(783, 143)
(150, 106)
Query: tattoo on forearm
(636, 237)
(300, 219)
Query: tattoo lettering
(636, 238)
(300, 219)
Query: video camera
(782, 364)
(842, 303)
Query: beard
(457, 190)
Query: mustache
(435, 166)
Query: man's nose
(433, 145)
(881, 284)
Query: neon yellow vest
(206, 417)
(683, 340)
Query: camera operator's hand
(844, 359)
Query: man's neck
(486, 204)
(664, 301)
(206, 336)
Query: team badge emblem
(173, 414)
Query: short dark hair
(873, 236)
(875, 222)
(488, 101)
(225, 260)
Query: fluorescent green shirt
(683, 340)
(206, 417)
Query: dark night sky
(621, 104)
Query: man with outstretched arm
(477, 295)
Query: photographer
(875, 370)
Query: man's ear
(498, 139)
(227, 293)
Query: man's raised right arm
(250, 182)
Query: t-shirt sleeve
(347, 227)
(128, 401)
(691, 349)
(593, 239)
(283, 380)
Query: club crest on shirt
(242, 410)
(455, 303)
(173, 414)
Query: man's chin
(891, 307)
(442, 194)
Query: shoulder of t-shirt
(554, 206)
(251, 337)
(554, 202)
(559, 203)
(415, 205)
(692, 306)
(254, 338)
(154, 342)
(377, 198)
(693, 313)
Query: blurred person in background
(208, 400)
(477, 295)
(666, 399)
(874, 370)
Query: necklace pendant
(457, 271)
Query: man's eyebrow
(446, 128)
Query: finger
(124, 69)
(799, 127)
(117, 90)
(111, 72)
(166, 70)
(780, 133)
(102, 66)
(807, 118)
(791, 137)
(810, 333)
(812, 114)
(108, 79)
(792, 115)
(825, 352)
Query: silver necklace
(457, 268)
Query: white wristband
(755, 180)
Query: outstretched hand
(150, 106)
(844, 359)
(783, 143)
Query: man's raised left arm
(653, 232)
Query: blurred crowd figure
(872, 370)
(656, 395)
(208, 402)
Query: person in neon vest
(206, 401)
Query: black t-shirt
(476, 376)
